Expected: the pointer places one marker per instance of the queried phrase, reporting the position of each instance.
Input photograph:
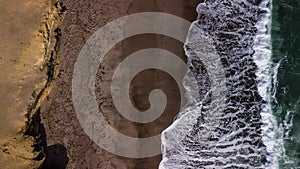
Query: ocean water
(244, 110)
(286, 79)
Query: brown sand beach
(40, 42)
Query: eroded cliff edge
(29, 50)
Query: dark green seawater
(286, 103)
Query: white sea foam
(201, 149)
(266, 74)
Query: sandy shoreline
(59, 118)
(36, 71)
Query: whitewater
(228, 121)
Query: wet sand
(63, 130)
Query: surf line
(225, 126)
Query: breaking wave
(228, 121)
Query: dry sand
(23, 63)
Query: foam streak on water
(262, 58)
(228, 122)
